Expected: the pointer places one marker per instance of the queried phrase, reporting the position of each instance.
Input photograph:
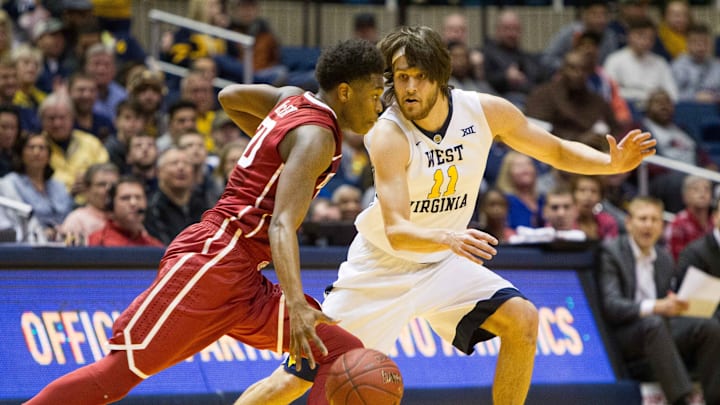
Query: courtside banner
(53, 321)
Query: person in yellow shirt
(71, 151)
(672, 30)
(28, 61)
(197, 88)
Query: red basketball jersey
(250, 192)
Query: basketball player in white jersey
(414, 255)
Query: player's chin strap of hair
(400, 52)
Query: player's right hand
(474, 245)
(303, 320)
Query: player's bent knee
(520, 320)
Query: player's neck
(437, 116)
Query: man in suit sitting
(636, 280)
(704, 252)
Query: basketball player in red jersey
(209, 283)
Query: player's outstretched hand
(474, 245)
(303, 320)
(631, 150)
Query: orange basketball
(364, 376)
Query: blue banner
(54, 321)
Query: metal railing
(158, 16)
(677, 165)
(672, 164)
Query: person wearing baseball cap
(48, 36)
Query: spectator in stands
(628, 10)
(267, 67)
(141, 161)
(71, 151)
(697, 72)
(512, 71)
(174, 206)
(27, 60)
(704, 252)
(83, 93)
(182, 117)
(323, 210)
(695, 220)
(146, 88)
(224, 131)
(193, 143)
(86, 36)
(594, 17)
(114, 17)
(126, 207)
(83, 221)
(637, 282)
(228, 158)
(560, 211)
(463, 76)
(197, 88)
(8, 87)
(6, 34)
(129, 121)
(569, 105)
(596, 223)
(205, 66)
(31, 183)
(8, 81)
(347, 199)
(187, 45)
(48, 37)
(353, 165)
(588, 43)
(365, 27)
(672, 30)
(100, 64)
(75, 15)
(638, 70)
(9, 133)
(492, 215)
(674, 143)
(455, 29)
(619, 191)
(517, 178)
(25, 17)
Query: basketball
(364, 376)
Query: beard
(419, 110)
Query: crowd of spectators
(73, 73)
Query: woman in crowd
(517, 178)
(31, 184)
(492, 215)
(588, 194)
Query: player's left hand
(474, 245)
(303, 320)
(631, 150)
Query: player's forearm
(576, 157)
(286, 260)
(406, 236)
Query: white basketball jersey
(444, 177)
